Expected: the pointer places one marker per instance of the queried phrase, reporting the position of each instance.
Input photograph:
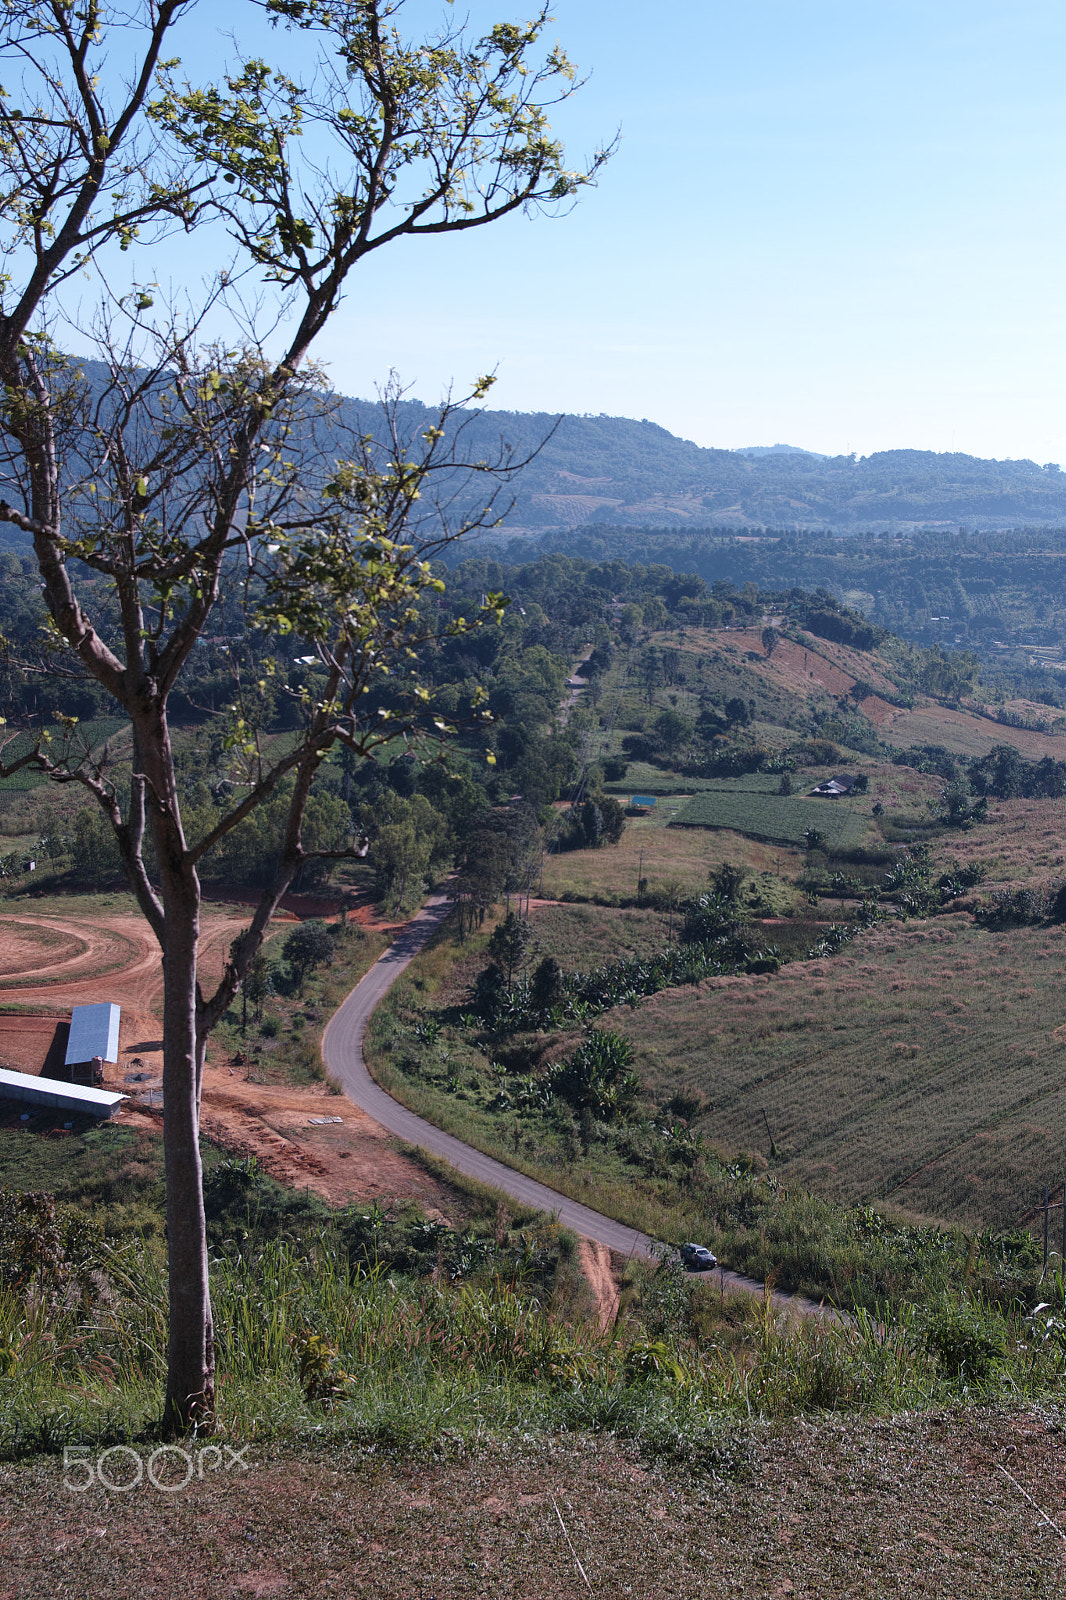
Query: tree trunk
(190, 1397)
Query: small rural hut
(843, 783)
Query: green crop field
(642, 778)
(92, 733)
(781, 819)
(919, 1068)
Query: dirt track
(596, 1264)
(52, 962)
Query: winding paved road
(342, 1049)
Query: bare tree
(174, 473)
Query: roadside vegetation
(394, 1334)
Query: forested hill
(615, 470)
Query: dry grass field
(819, 666)
(917, 1069)
(581, 936)
(965, 734)
(1023, 841)
(917, 1504)
(678, 856)
(920, 1068)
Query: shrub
(597, 1075)
(1016, 908)
(815, 753)
(687, 1102)
(712, 916)
(309, 945)
(49, 1251)
(966, 1339)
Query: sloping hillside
(807, 668)
(618, 470)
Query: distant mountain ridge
(620, 472)
(615, 470)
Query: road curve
(342, 1050)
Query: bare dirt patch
(26, 1041)
(84, 958)
(37, 951)
(597, 1263)
(283, 1128)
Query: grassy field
(649, 848)
(919, 1068)
(1023, 840)
(642, 778)
(581, 936)
(966, 734)
(114, 1173)
(871, 1508)
(780, 819)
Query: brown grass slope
(922, 1066)
(813, 668)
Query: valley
(817, 1033)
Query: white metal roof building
(37, 1093)
(93, 1032)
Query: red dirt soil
(823, 665)
(52, 962)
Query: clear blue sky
(836, 225)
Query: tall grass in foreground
(311, 1349)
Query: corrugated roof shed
(93, 1032)
(40, 1092)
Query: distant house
(841, 784)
